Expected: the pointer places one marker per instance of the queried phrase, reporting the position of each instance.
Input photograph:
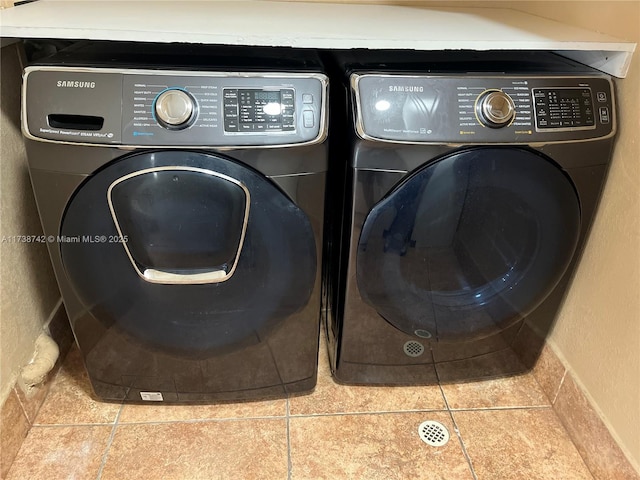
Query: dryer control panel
(482, 108)
(174, 108)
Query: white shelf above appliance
(314, 25)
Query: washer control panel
(563, 109)
(482, 108)
(259, 110)
(169, 108)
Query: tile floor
(500, 429)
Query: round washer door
(187, 252)
(469, 244)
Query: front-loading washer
(181, 192)
(473, 179)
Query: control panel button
(601, 96)
(604, 115)
(495, 109)
(175, 109)
(307, 118)
(230, 97)
(287, 97)
(307, 98)
(231, 125)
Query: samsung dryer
(181, 191)
(473, 179)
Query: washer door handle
(158, 276)
(148, 186)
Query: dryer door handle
(158, 276)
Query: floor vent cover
(413, 348)
(433, 433)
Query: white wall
(598, 331)
(28, 292)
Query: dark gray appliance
(472, 184)
(181, 192)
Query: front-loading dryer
(181, 191)
(472, 182)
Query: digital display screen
(266, 95)
(249, 110)
(564, 108)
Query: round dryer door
(467, 245)
(187, 252)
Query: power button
(604, 115)
(307, 118)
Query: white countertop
(314, 25)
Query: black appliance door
(467, 245)
(189, 253)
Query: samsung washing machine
(471, 183)
(181, 191)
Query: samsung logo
(408, 88)
(75, 84)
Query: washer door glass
(167, 245)
(469, 244)
(187, 252)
